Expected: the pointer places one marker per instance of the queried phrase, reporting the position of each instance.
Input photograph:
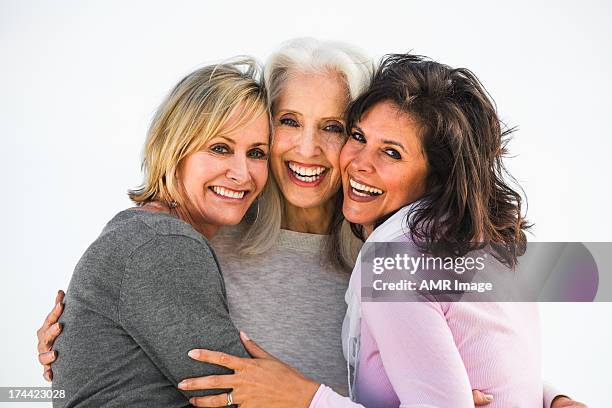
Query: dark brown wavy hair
(469, 203)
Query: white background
(79, 82)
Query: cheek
(197, 168)
(408, 188)
(332, 153)
(260, 175)
(281, 143)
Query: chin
(356, 217)
(226, 219)
(300, 201)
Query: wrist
(308, 391)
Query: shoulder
(394, 228)
(168, 226)
(173, 262)
(159, 238)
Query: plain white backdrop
(79, 82)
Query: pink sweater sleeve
(325, 397)
(419, 356)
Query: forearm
(325, 397)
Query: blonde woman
(149, 287)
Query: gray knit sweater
(147, 291)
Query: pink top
(431, 354)
(420, 354)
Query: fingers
(53, 316)
(48, 374)
(218, 358)
(47, 358)
(219, 400)
(480, 398)
(253, 348)
(210, 382)
(566, 402)
(47, 337)
(59, 298)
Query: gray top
(144, 293)
(289, 300)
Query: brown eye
(289, 122)
(358, 137)
(393, 153)
(334, 127)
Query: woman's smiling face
(383, 165)
(224, 177)
(309, 131)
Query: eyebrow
(284, 111)
(391, 142)
(234, 142)
(394, 143)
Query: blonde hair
(308, 55)
(195, 111)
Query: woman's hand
(262, 381)
(481, 398)
(265, 381)
(566, 402)
(47, 335)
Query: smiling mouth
(306, 174)
(228, 193)
(363, 190)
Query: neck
(367, 230)
(316, 220)
(208, 230)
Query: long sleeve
(419, 354)
(419, 357)
(173, 300)
(325, 397)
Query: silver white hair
(307, 55)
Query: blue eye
(358, 137)
(289, 122)
(257, 154)
(334, 128)
(393, 153)
(220, 148)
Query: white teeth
(360, 194)
(227, 192)
(305, 171)
(363, 187)
(306, 179)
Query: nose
(309, 143)
(238, 170)
(363, 161)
